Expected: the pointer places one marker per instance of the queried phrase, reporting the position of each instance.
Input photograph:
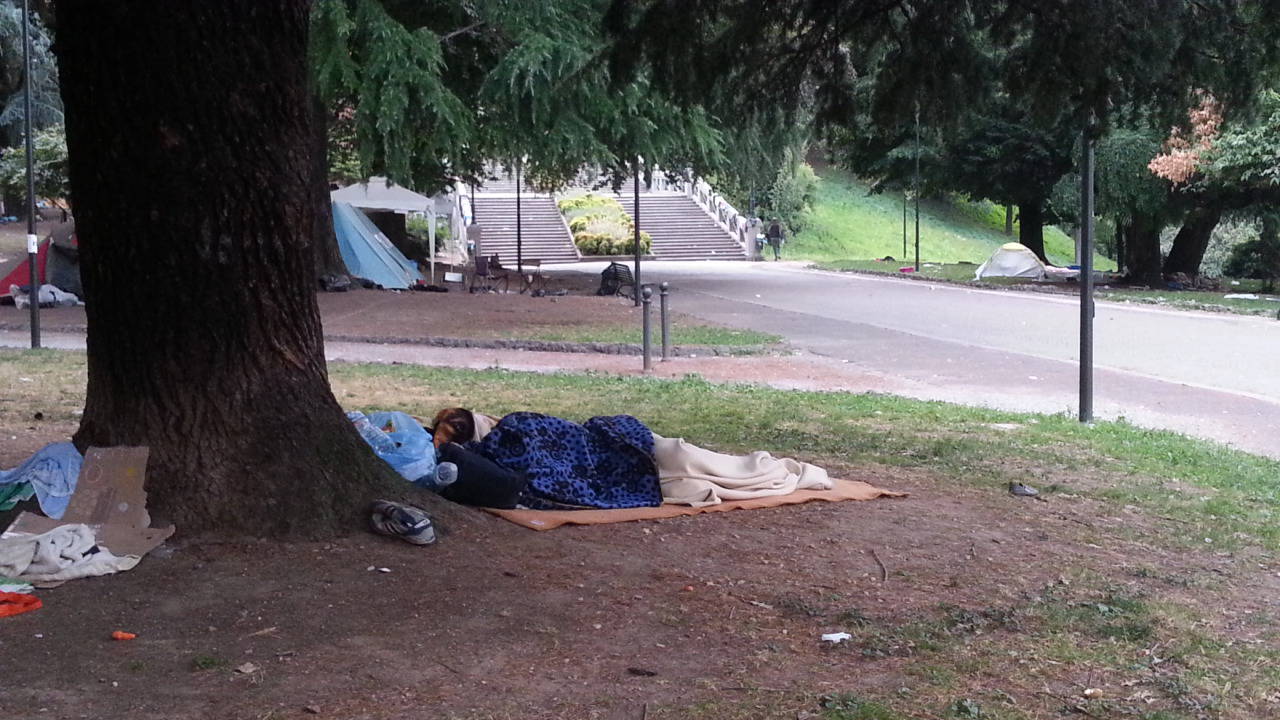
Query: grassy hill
(846, 223)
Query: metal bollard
(646, 296)
(663, 291)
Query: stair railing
(726, 216)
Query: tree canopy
(434, 91)
(46, 104)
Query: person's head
(453, 425)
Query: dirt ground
(406, 316)
(713, 616)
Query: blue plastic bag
(414, 455)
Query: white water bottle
(377, 439)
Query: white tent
(377, 194)
(1012, 260)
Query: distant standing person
(776, 237)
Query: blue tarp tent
(368, 253)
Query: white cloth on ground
(695, 476)
(66, 552)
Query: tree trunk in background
(1270, 237)
(1192, 240)
(1120, 256)
(328, 259)
(1142, 251)
(190, 136)
(1031, 228)
(1008, 219)
(16, 205)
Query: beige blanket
(698, 477)
(551, 519)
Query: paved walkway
(1202, 374)
(1205, 374)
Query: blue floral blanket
(606, 462)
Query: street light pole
(519, 235)
(917, 184)
(904, 224)
(32, 242)
(635, 289)
(1086, 274)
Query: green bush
(1255, 259)
(601, 226)
(792, 193)
(1259, 258)
(601, 244)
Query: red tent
(21, 275)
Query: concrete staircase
(681, 229)
(544, 235)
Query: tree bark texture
(1008, 219)
(1142, 250)
(190, 136)
(1192, 240)
(1031, 228)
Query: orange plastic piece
(18, 603)
(122, 635)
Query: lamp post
(519, 234)
(904, 223)
(1086, 274)
(32, 242)
(635, 290)
(917, 187)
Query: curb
(551, 346)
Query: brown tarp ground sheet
(552, 519)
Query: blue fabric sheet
(606, 463)
(52, 472)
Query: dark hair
(454, 425)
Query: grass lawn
(685, 333)
(1201, 300)
(1211, 301)
(846, 223)
(1138, 589)
(951, 272)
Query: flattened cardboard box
(110, 499)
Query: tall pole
(917, 187)
(635, 290)
(519, 235)
(32, 242)
(1086, 275)
(904, 224)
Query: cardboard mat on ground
(551, 519)
(110, 499)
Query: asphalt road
(1212, 375)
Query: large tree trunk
(1031, 228)
(1008, 219)
(1192, 240)
(1142, 251)
(189, 134)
